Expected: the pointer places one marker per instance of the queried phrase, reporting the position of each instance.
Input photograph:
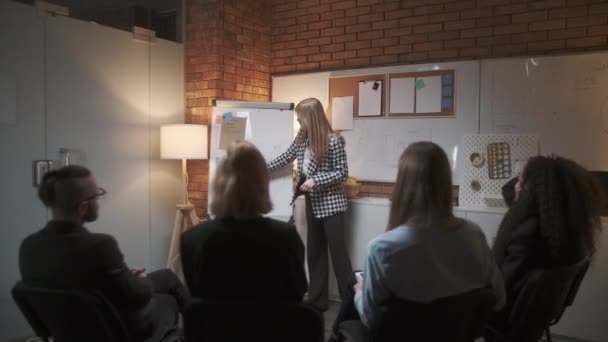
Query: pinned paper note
(370, 98)
(342, 113)
(402, 95)
(233, 129)
(420, 84)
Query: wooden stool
(185, 217)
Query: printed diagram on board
(491, 161)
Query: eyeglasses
(100, 193)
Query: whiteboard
(271, 131)
(562, 99)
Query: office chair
(541, 303)
(242, 320)
(72, 315)
(459, 318)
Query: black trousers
(323, 233)
(169, 298)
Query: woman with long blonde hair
(240, 254)
(322, 169)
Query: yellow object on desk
(351, 187)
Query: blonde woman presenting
(322, 165)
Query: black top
(257, 259)
(66, 255)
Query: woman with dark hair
(426, 253)
(553, 220)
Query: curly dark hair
(567, 200)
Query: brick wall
(310, 35)
(227, 49)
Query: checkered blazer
(328, 196)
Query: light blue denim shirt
(426, 263)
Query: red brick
(459, 25)
(448, 35)
(293, 13)
(547, 45)
(597, 30)
(308, 66)
(512, 28)
(368, 2)
(443, 17)
(360, 44)
(398, 14)
(344, 54)
(443, 54)
(319, 25)
(385, 24)
(332, 15)
(459, 5)
(567, 33)
(429, 46)
(509, 50)
(529, 37)
(286, 53)
(295, 44)
(332, 64)
(493, 21)
(389, 50)
(511, 9)
(334, 31)
(547, 4)
(569, 12)
(308, 34)
(529, 17)
(476, 13)
(386, 59)
(385, 41)
(585, 42)
(413, 57)
(413, 38)
(284, 7)
(459, 43)
(548, 25)
(428, 9)
(414, 21)
(319, 57)
(586, 21)
(306, 3)
(398, 32)
(412, 3)
(369, 35)
(427, 28)
(370, 18)
(361, 61)
(294, 29)
(358, 28)
(494, 40)
(360, 10)
(342, 5)
(319, 41)
(346, 21)
(308, 50)
(344, 38)
(296, 59)
(476, 32)
(323, 8)
(305, 19)
(332, 47)
(475, 52)
(599, 8)
(375, 51)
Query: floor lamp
(182, 141)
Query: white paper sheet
(342, 113)
(402, 95)
(370, 99)
(428, 94)
(8, 102)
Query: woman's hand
(308, 185)
(359, 284)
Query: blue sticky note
(446, 103)
(227, 116)
(447, 80)
(446, 91)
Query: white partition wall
(101, 95)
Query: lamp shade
(183, 141)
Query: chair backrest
(238, 320)
(543, 299)
(459, 318)
(69, 315)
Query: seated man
(64, 254)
